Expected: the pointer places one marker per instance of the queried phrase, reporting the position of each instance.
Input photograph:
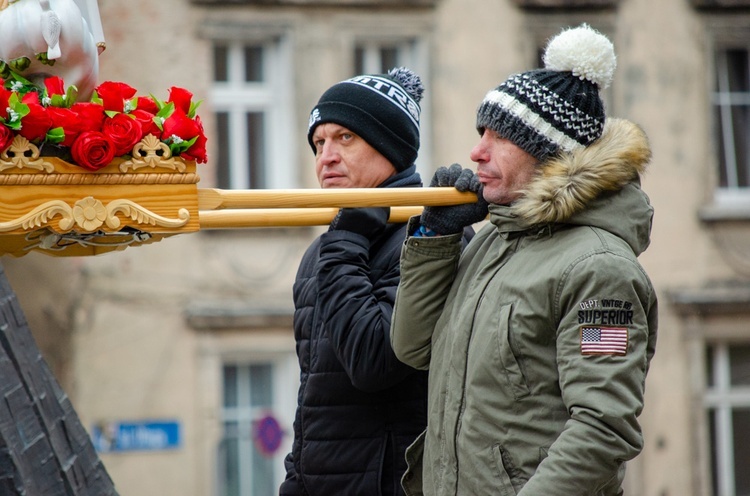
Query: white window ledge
(722, 212)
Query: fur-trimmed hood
(598, 186)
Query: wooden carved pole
(226, 209)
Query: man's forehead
(329, 128)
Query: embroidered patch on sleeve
(599, 340)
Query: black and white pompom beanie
(558, 108)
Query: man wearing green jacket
(538, 335)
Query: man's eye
(347, 136)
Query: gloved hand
(369, 222)
(453, 219)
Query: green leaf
(55, 135)
(193, 107)
(17, 106)
(165, 111)
(182, 146)
(159, 103)
(132, 104)
(58, 101)
(71, 95)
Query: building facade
(179, 356)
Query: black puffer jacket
(359, 407)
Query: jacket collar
(568, 183)
(597, 186)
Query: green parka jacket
(538, 336)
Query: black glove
(369, 222)
(453, 219)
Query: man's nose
(479, 152)
(329, 154)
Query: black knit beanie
(383, 109)
(558, 108)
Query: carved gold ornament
(90, 214)
(150, 152)
(23, 154)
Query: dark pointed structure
(44, 448)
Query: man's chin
(335, 182)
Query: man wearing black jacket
(359, 407)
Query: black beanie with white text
(382, 109)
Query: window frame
(723, 398)
(273, 98)
(723, 103)
(710, 315)
(246, 412)
(723, 33)
(410, 34)
(234, 333)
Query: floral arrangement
(92, 133)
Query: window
(378, 56)
(727, 400)
(251, 96)
(249, 452)
(731, 103)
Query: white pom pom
(585, 52)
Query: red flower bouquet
(92, 133)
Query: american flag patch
(598, 340)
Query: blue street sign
(136, 436)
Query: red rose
(197, 151)
(54, 85)
(124, 132)
(146, 119)
(30, 97)
(180, 125)
(91, 115)
(92, 150)
(114, 95)
(181, 98)
(6, 137)
(36, 123)
(68, 120)
(4, 102)
(147, 104)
